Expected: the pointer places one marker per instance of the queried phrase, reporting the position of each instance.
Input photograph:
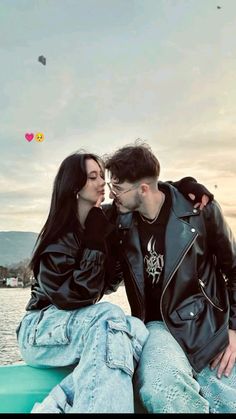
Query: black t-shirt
(152, 237)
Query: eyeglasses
(117, 195)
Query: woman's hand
(99, 201)
(204, 200)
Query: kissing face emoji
(39, 137)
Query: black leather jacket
(73, 271)
(198, 301)
(65, 276)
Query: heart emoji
(29, 137)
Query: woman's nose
(102, 181)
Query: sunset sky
(160, 70)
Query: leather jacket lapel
(178, 239)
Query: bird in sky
(42, 59)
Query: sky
(116, 70)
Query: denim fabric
(165, 382)
(102, 342)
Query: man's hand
(204, 201)
(225, 360)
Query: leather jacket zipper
(171, 276)
(202, 285)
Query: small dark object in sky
(42, 59)
(218, 7)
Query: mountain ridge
(16, 246)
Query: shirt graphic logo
(154, 262)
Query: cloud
(230, 214)
(114, 72)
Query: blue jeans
(102, 342)
(165, 382)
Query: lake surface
(12, 309)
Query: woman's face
(94, 189)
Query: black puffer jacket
(198, 301)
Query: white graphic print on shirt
(153, 262)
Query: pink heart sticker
(29, 137)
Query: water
(13, 302)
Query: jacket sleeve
(188, 185)
(114, 276)
(223, 245)
(69, 280)
(70, 284)
(114, 273)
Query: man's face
(125, 195)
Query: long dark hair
(70, 179)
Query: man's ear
(144, 188)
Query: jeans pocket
(50, 328)
(119, 351)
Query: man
(179, 266)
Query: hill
(16, 246)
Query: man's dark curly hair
(132, 163)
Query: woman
(63, 325)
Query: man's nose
(112, 195)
